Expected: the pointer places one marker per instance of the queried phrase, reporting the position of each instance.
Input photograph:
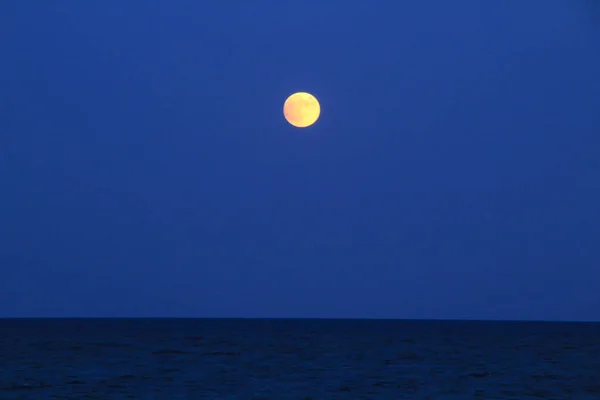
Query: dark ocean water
(297, 359)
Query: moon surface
(301, 109)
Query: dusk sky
(146, 168)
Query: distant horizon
(313, 319)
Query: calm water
(297, 359)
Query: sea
(298, 359)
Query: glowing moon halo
(301, 109)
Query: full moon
(301, 109)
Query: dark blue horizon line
(308, 319)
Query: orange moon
(301, 109)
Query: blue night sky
(147, 170)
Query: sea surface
(297, 359)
